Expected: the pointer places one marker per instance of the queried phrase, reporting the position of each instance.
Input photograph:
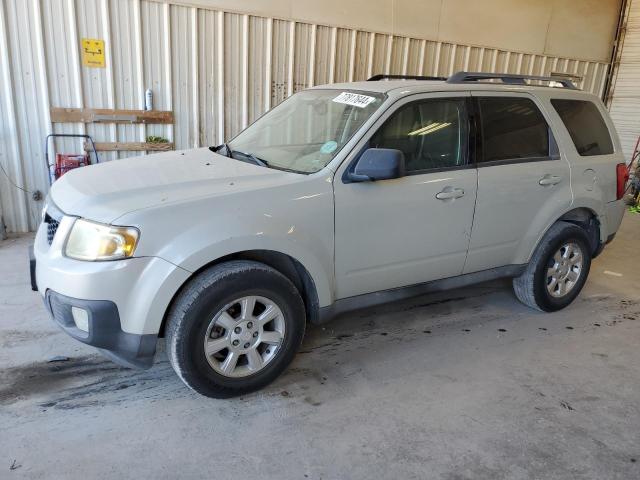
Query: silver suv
(343, 196)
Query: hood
(109, 190)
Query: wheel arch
(285, 264)
(585, 218)
(589, 221)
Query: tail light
(622, 175)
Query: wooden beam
(129, 147)
(105, 115)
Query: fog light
(81, 318)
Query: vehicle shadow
(335, 349)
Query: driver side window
(432, 134)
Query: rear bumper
(615, 212)
(601, 246)
(612, 220)
(104, 332)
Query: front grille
(52, 218)
(52, 228)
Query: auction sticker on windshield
(354, 99)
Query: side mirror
(378, 164)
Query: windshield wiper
(229, 153)
(253, 158)
(217, 149)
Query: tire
(536, 287)
(204, 312)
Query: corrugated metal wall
(217, 71)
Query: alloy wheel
(564, 270)
(244, 336)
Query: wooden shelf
(129, 146)
(98, 115)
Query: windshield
(305, 132)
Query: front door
(413, 229)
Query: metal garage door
(625, 100)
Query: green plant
(154, 139)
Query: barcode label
(354, 99)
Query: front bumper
(32, 269)
(126, 299)
(104, 330)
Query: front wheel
(558, 269)
(234, 328)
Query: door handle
(450, 193)
(550, 180)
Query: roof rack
(377, 78)
(509, 78)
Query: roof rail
(510, 78)
(377, 78)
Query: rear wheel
(234, 328)
(558, 269)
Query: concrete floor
(464, 385)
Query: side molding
(386, 296)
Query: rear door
(523, 183)
(591, 148)
(594, 152)
(414, 229)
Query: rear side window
(586, 126)
(512, 128)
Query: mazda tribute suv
(343, 196)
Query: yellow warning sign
(93, 52)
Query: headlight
(94, 241)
